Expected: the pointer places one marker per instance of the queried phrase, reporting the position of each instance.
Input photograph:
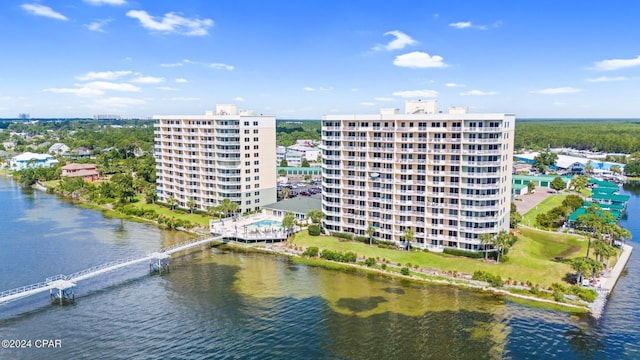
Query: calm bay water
(215, 304)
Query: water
(215, 304)
(266, 223)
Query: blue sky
(304, 59)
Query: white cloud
(120, 102)
(416, 93)
(454, 85)
(478, 93)
(365, 103)
(172, 23)
(309, 88)
(606, 79)
(384, 99)
(615, 64)
(41, 10)
(166, 88)
(103, 75)
(469, 24)
(79, 91)
(106, 85)
(402, 40)
(172, 64)
(182, 98)
(98, 25)
(554, 91)
(219, 66)
(239, 99)
(461, 24)
(148, 80)
(106, 2)
(418, 59)
(181, 80)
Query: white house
(27, 160)
(58, 148)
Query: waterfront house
(88, 172)
(31, 160)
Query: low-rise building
(88, 172)
(31, 160)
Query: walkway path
(608, 282)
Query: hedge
(469, 254)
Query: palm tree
(213, 211)
(227, 206)
(501, 242)
(316, 216)
(581, 266)
(285, 193)
(172, 202)
(371, 230)
(486, 239)
(288, 221)
(408, 236)
(191, 204)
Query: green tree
(282, 172)
(191, 204)
(172, 202)
(616, 169)
(544, 160)
(558, 184)
(588, 168)
(514, 217)
(288, 221)
(409, 236)
(304, 163)
(316, 216)
(371, 230)
(123, 186)
(284, 163)
(228, 207)
(531, 187)
(579, 182)
(487, 240)
(501, 242)
(150, 195)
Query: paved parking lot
(526, 202)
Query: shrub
(557, 296)
(493, 280)
(362, 239)
(370, 261)
(340, 235)
(314, 230)
(311, 251)
(404, 271)
(384, 266)
(587, 295)
(469, 254)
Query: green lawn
(545, 206)
(532, 258)
(201, 220)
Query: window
(255, 131)
(257, 177)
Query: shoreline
(595, 309)
(280, 249)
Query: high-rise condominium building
(221, 155)
(446, 176)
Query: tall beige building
(224, 154)
(447, 176)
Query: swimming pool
(266, 223)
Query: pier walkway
(63, 283)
